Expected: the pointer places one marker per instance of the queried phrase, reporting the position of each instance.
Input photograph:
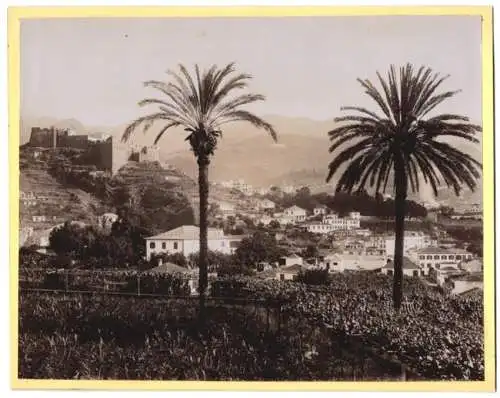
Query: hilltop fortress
(99, 146)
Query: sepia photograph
(254, 198)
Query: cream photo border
(16, 14)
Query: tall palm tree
(404, 143)
(201, 104)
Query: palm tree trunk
(400, 210)
(203, 163)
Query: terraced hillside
(55, 187)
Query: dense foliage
(82, 337)
(340, 331)
(123, 247)
(439, 336)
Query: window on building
(458, 257)
(152, 245)
(429, 257)
(415, 273)
(163, 245)
(443, 257)
(422, 257)
(451, 257)
(176, 245)
(436, 257)
(282, 277)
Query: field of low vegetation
(344, 329)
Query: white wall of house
(184, 246)
(285, 276)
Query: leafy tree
(274, 224)
(311, 251)
(404, 144)
(201, 104)
(257, 248)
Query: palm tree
(201, 104)
(404, 143)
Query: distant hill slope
(301, 156)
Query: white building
(412, 240)
(341, 223)
(409, 268)
(28, 199)
(289, 189)
(293, 259)
(186, 240)
(437, 257)
(320, 228)
(288, 273)
(227, 209)
(266, 204)
(295, 213)
(320, 210)
(461, 284)
(339, 262)
(474, 265)
(355, 215)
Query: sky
(93, 69)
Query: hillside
(160, 198)
(53, 199)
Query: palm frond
(245, 116)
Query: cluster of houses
(249, 190)
(452, 268)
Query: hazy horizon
(92, 69)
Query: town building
(295, 213)
(266, 204)
(442, 275)
(474, 266)
(339, 262)
(290, 260)
(186, 240)
(413, 240)
(320, 228)
(28, 199)
(227, 209)
(409, 268)
(342, 223)
(320, 210)
(438, 257)
(288, 273)
(461, 284)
